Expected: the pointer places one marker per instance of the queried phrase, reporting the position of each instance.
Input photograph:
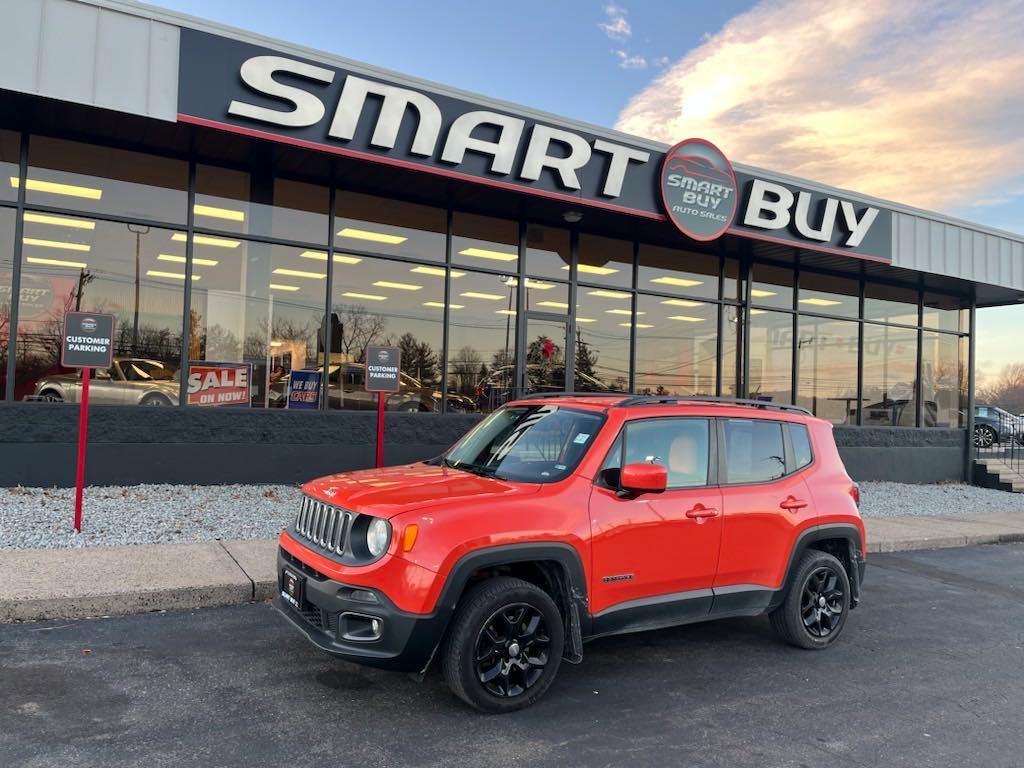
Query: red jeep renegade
(562, 518)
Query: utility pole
(139, 230)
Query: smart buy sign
(219, 384)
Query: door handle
(792, 504)
(700, 513)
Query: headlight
(378, 533)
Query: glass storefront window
(74, 263)
(233, 201)
(546, 296)
(943, 312)
(676, 346)
(890, 304)
(772, 286)
(547, 252)
(483, 241)
(827, 378)
(88, 177)
(943, 379)
(605, 261)
(378, 301)
(732, 319)
(7, 216)
(10, 153)
(829, 295)
(890, 374)
(771, 356)
(389, 227)
(258, 304)
(603, 322)
(481, 341)
(684, 273)
(732, 285)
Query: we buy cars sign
(219, 384)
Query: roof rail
(674, 400)
(539, 395)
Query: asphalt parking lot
(930, 672)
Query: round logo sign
(698, 189)
(89, 325)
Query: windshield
(526, 443)
(146, 370)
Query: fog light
(359, 627)
(362, 595)
(375, 626)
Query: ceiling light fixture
(759, 293)
(300, 273)
(555, 304)
(677, 281)
(439, 305)
(181, 260)
(610, 294)
(682, 303)
(436, 272)
(621, 312)
(820, 302)
(398, 286)
(171, 275)
(56, 262)
(60, 221)
(280, 287)
(218, 213)
(478, 295)
(217, 242)
(71, 190)
(376, 237)
(590, 269)
(484, 253)
(56, 244)
(686, 318)
(638, 325)
(367, 296)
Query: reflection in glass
(684, 273)
(10, 152)
(944, 313)
(676, 346)
(481, 340)
(772, 286)
(260, 304)
(731, 326)
(6, 288)
(603, 321)
(485, 242)
(771, 356)
(890, 304)
(377, 301)
(827, 354)
(943, 379)
(890, 373)
(72, 263)
(87, 177)
(829, 295)
(547, 252)
(545, 355)
(605, 261)
(388, 227)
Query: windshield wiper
(474, 469)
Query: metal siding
(88, 54)
(19, 44)
(67, 51)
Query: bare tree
(1007, 391)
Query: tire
(51, 396)
(817, 605)
(493, 621)
(154, 400)
(984, 436)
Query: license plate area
(293, 589)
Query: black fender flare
(564, 555)
(816, 533)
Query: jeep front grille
(324, 525)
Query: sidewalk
(111, 581)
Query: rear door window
(801, 441)
(754, 451)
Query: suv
(562, 518)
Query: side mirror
(643, 478)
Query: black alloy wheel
(984, 436)
(504, 645)
(817, 603)
(822, 602)
(512, 650)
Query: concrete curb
(113, 581)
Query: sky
(919, 101)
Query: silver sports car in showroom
(129, 381)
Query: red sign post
(87, 344)
(382, 375)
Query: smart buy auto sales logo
(698, 188)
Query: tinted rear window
(801, 440)
(754, 451)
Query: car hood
(393, 490)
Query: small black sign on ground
(382, 367)
(88, 340)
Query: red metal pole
(380, 430)
(83, 429)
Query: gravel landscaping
(162, 514)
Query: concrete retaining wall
(903, 455)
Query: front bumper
(406, 641)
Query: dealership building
(254, 214)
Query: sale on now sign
(223, 384)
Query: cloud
(920, 101)
(630, 61)
(615, 24)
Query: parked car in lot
(129, 381)
(563, 518)
(497, 389)
(994, 425)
